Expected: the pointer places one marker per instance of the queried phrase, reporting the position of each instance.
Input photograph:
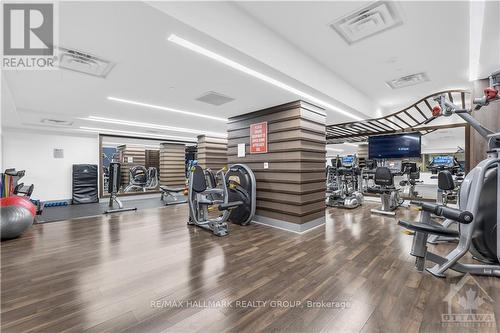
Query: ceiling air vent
(408, 80)
(84, 62)
(214, 98)
(56, 122)
(367, 21)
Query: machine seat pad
(171, 189)
(230, 205)
(433, 229)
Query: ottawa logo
(468, 305)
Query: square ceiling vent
(408, 80)
(84, 62)
(214, 98)
(367, 21)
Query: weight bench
(168, 192)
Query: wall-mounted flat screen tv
(402, 145)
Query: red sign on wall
(258, 138)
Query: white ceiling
(432, 39)
(148, 69)
(288, 41)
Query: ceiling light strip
(141, 134)
(217, 57)
(150, 125)
(164, 108)
(476, 22)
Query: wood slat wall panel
(212, 152)
(296, 145)
(291, 218)
(292, 189)
(152, 159)
(286, 125)
(172, 164)
(136, 156)
(284, 136)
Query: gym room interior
(250, 166)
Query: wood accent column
(291, 191)
(362, 154)
(212, 152)
(152, 159)
(173, 164)
(130, 156)
(489, 117)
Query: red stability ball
(16, 216)
(18, 201)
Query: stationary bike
(478, 214)
(389, 194)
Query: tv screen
(402, 145)
(347, 160)
(443, 160)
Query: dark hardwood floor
(147, 271)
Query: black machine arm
(461, 216)
(230, 205)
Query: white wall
(33, 151)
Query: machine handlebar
(461, 216)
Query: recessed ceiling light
(149, 125)
(146, 135)
(164, 108)
(233, 64)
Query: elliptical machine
(343, 183)
(478, 215)
(234, 198)
(411, 174)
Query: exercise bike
(234, 198)
(478, 214)
(448, 163)
(389, 194)
(446, 186)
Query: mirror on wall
(145, 163)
